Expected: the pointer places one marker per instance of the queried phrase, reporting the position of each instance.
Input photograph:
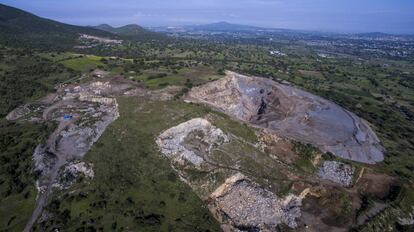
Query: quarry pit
(292, 113)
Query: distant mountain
(374, 34)
(105, 27)
(21, 28)
(225, 27)
(131, 31)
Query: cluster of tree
(27, 77)
(17, 143)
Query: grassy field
(156, 79)
(83, 64)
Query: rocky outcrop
(19, 112)
(292, 113)
(190, 141)
(71, 172)
(409, 220)
(337, 172)
(245, 206)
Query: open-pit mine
(265, 181)
(292, 113)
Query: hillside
(21, 28)
(132, 32)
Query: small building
(67, 117)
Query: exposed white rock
(18, 113)
(409, 220)
(337, 172)
(175, 143)
(100, 39)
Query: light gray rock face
(337, 172)
(190, 141)
(292, 113)
(250, 208)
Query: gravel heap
(337, 172)
(248, 207)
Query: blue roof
(67, 117)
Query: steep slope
(292, 113)
(21, 28)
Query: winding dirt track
(44, 195)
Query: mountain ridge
(130, 31)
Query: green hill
(132, 32)
(20, 28)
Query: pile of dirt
(277, 147)
(292, 113)
(245, 206)
(190, 141)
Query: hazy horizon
(321, 15)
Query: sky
(391, 16)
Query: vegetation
(17, 182)
(134, 187)
(21, 29)
(26, 77)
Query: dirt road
(50, 179)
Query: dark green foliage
(22, 29)
(17, 143)
(28, 77)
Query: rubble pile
(71, 172)
(337, 172)
(248, 207)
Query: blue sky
(393, 16)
